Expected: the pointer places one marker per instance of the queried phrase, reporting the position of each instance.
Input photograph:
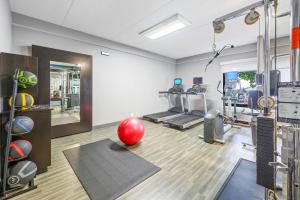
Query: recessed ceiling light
(166, 27)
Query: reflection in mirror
(64, 93)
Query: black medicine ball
(21, 174)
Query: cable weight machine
(287, 111)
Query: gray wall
(124, 83)
(189, 67)
(5, 26)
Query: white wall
(211, 77)
(125, 82)
(5, 26)
(129, 79)
(189, 67)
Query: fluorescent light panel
(166, 27)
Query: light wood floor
(191, 169)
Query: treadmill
(192, 117)
(175, 111)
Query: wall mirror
(64, 93)
(65, 83)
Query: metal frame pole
(204, 102)
(295, 75)
(295, 31)
(182, 103)
(9, 133)
(267, 59)
(169, 100)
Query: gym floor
(191, 169)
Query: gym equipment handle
(219, 87)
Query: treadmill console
(177, 87)
(197, 80)
(197, 88)
(177, 81)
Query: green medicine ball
(27, 79)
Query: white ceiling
(121, 21)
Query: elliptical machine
(217, 124)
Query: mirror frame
(45, 55)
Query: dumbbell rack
(10, 193)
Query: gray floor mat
(107, 170)
(241, 183)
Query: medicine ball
(19, 149)
(23, 101)
(21, 125)
(21, 174)
(27, 79)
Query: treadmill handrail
(164, 92)
(167, 92)
(176, 93)
(194, 93)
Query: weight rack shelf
(6, 193)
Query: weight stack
(265, 175)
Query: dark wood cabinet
(40, 137)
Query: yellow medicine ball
(23, 101)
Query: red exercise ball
(131, 131)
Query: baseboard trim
(106, 125)
(110, 124)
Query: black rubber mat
(241, 183)
(107, 170)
